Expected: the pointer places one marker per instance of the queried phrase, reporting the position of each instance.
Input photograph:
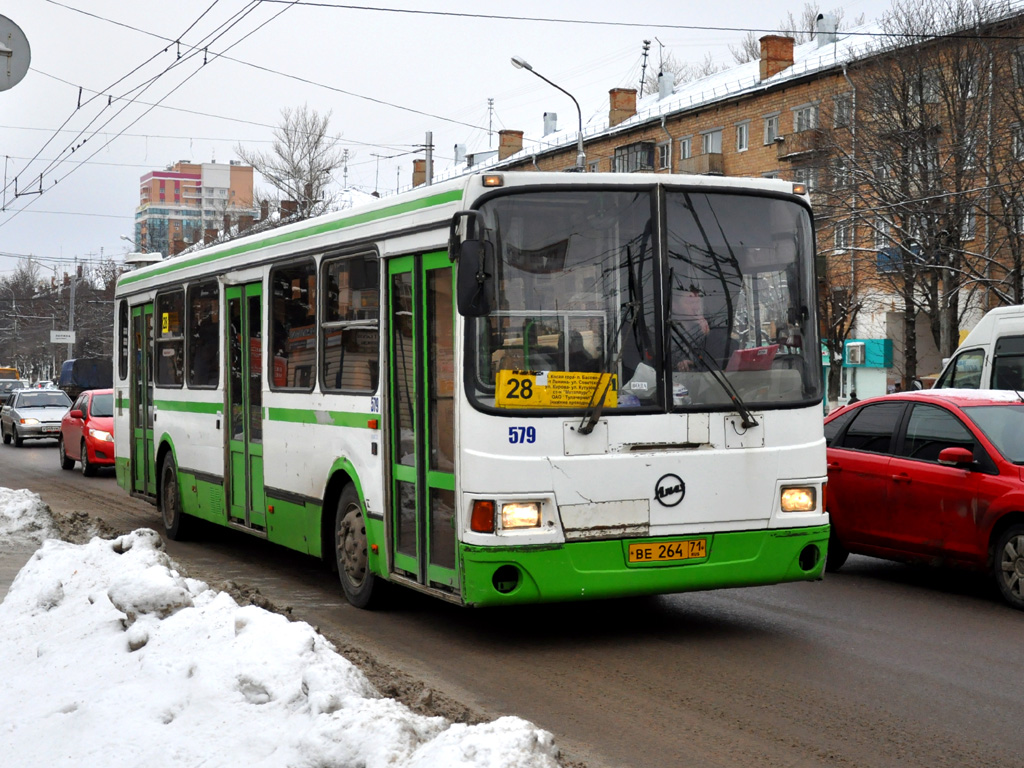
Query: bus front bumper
(587, 570)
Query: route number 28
(520, 389)
(522, 435)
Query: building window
(1018, 66)
(594, 167)
(665, 156)
(1017, 141)
(840, 174)
(806, 176)
(711, 142)
(842, 235)
(970, 151)
(685, 148)
(969, 227)
(805, 118)
(771, 128)
(742, 137)
(842, 117)
(635, 157)
(931, 87)
(883, 232)
(770, 175)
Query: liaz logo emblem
(669, 490)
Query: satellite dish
(15, 54)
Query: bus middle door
(244, 435)
(422, 383)
(143, 460)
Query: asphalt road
(880, 665)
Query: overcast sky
(387, 77)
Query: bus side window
(349, 331)
(292, 325)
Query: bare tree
(899, 164)
(801, 30)
(681, 71)
(301, 160)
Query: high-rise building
(180, 205)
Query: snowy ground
(110, 657)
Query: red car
(87, 432)
(934, 476)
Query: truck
(82, 373)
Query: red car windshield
(1004, 426)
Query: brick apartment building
(184, 203)
(795, 114)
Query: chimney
(776, 54)
(245, 222)
(623, 105)
(825, 27)
(264, 210)
(289, 208)
(209, 235)
(177, 246)
(550, 122)
(419, 172)
(509, 142)
(227, 224)
(666, 85)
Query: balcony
(709, 164)
(796, 146)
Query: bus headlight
(799, 499)
(520, 514)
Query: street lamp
(581, 157)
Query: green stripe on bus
(316, 229)
(187, 407)
(329, 418)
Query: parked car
(43, 384)
(87, 432)
(33, 414)
(7, 387)
(933, 477)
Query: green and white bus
(499, 389)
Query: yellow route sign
(555, 389)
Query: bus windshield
(711, 305)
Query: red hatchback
(87, 432)
(934, 476)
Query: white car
(33, 414)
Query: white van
(992, 355)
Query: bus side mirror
(474, 278)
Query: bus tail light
(520, 514)
(798, 499)
(482, 519)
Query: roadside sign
(62, 337)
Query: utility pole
(643, 67)
(71, 310)
(344, 167)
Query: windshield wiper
(711, 366)
(631, 308)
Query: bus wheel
(351, 550)
(1008, 565)
(170, 501)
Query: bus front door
(143, 467)
(422, 385)
(244, 407)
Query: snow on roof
(112, 657)
(808, 58)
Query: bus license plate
(661, 551)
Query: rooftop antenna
(643, 67)
(490, 122)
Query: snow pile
(111, 657)
(24, 519)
